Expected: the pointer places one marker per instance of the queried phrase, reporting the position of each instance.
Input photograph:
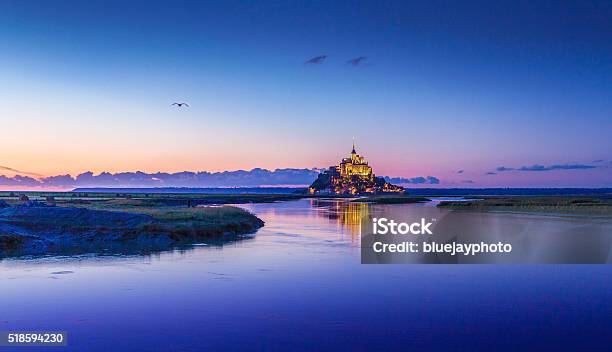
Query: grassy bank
(583, 205)
(193, 223)
(115, 226)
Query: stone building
(352, 176)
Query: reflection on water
(349, 216)
(298, 285)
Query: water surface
(299, 285)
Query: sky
(473, 93)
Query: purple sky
(426, 88)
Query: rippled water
(299, 285)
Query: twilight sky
(455, 90)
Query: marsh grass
(199, 221)
(178, 221)
(599, 205)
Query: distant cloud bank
(547, 168)
(240, 178)
(415, 180)
(255, 177)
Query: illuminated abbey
(352, 176)
(355, 165)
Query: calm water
(299, 285)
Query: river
(298, 284)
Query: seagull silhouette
(180, 105)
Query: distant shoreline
(300, 192)
(191, 190)
(437, 192)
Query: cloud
(240, 178)
(18, 180)
(415, 180)
(59, 181)
(316, 60)
(357, 61)
(537, 167)
(491, 173)
(19, 171)
(467, 181)
(433, 180)
(598, 161)
(503, 168)
(460, 171)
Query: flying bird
(317, 60)
(357, 61)
(180, 105)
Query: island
(352, 176)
